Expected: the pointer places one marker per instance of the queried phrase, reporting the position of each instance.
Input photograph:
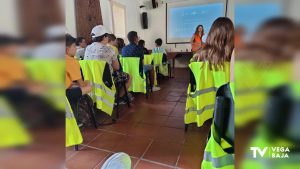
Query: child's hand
(87, 82)
(86, 89)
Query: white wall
(132, 14)
(9, 21)
(70, 17)
(157, 27)
(156, 22)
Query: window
(119, 19)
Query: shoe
(155, 88)
(131, 98)
(80, 124)
(121, 102)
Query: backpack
(85, 114)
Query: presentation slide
(182, 19)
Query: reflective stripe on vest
(219, 162)
(207, 107)
(69, 113)
(100, 98)
(109, 92)
(214, 155)
(203, 91)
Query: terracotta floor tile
(161, 152)
(86, 158)
(175, 93)
(120, 126)
(154, 119)
(89, 134)
(70, 151)
(145, 130)
(174, 122)
(161, 108)
(172, 98)
(167, 134)
(133, 117)
(133, 146)
(182, 99)
(107, 141)
(148, 165)
(179, 110)
(190, 157)
(195, 138)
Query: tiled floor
(151, 132)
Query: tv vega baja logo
(270, 152)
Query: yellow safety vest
(157, 60)
(200, 103)
(12, 132)
(73, 134)
(214, 155)
(50, 73)
(130, 65)
(262, 140)
(252, 83)
(148, 61)
(101, 94)
(267, 137)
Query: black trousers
(73, 96)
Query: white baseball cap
(98, 30)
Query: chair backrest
(131, 65)
(157, 58)
(148, 59)
(97, 71)
(223, 118)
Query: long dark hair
(197, 32)
(219, 43)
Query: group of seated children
(106, 47)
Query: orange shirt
(12, 71)
(197, 43)
(72, 71)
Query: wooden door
(36, 16)
(88, 15)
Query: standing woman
(219, 44)
(196, 40)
